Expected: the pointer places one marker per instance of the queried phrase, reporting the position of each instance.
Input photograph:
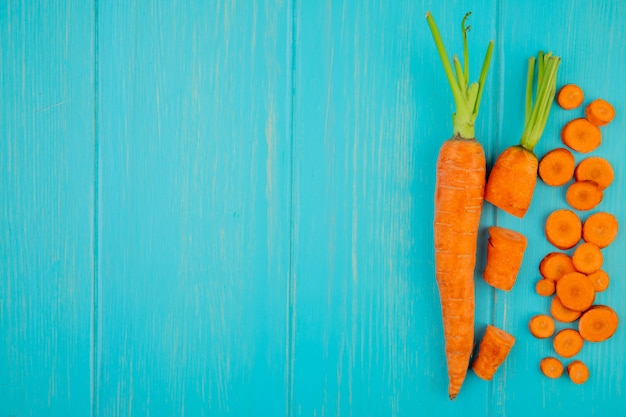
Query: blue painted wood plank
(46, 207)
(194, 208)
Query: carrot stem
(529, 90)
(465, 29)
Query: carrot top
(537, 111)
(466, 96)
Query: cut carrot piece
(600, 280)
(563, 229)
(567, 343)
(575, 291)
(584, 195)
(587, 258)
(600, 228)
(557, 167)
(581, 136)
(505, 251)
(494, 348)
(599, 112)
(551, 367)
(541, 326)
(556, 264)
(545, 287)
(562, 313)
(596, 169)
(578, 372)
(570, 96)
(598, 323)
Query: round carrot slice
(562, 313)
(587, 258)
(600, 228)
(596, 169)
(541, 326)
(551, 367)
(554, 265)
(545, 287)
(557, 167)
(600, 280)
(567, 343)
(581, 136)
(575, 291)
(598, 323)
(584, 195)
(599, 112)
(578, 372)
(563, 229)
(570, 96)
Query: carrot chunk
(541, 326)
(557, 167)
(598, 323)
(567, 343)
(562, 313)
(587, 258)
(563, 229)
(551, 367)
(600, 280)
(584, 195)
(555, 264)
(578, 372)
(570, 96)
(575, 291)
(599, 112)
(493, 350)
(505, 251)
(596, 169)
(600, 228)
(545, 287)
(581, 136)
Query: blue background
(215, 208)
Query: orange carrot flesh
(556, 167)
(541, 326)
(575, 291)
(584, 195)
(567, 343)
(578, 372)
(581, 136)
(600, 228)
(555, 264)
(493, 350)
(545, 287)
(562, 313)
(587, 258)
(600, 280)
(505, 251)
(596, 169)
(563, 229)
(598, 323)
(599, 112)
(551, 367)
(570, 96)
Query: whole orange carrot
(459, 188)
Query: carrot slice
(581, 136)
(587, 258)
(563, 229)
(600, 228)
(578, 372)
(570, 96)
(600, 280)
(575, 291)
(584, 195)
(555, 264)
(596, 169)
(505, 251)
(567, 343)
(545, 287)
(494, 348)
(557, 167)
(551, 367)
(599, 112)
(541, 326)
(598, 323)
(562, 313)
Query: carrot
(598, 323)
(459, 189)
(505, 251)
(584, 195)
(600, 280)
(596, 169)
(575, 291)
(541, 326)
(551, 367)
(555, 264)
(578, 372)
(570, 96)
(587, 258)
(563, 229)
(600, 228)
(567, 343)
(581, 136)
(557, 167)
(545, 287)
(494, 348)
(599, 112)
(562, 313)
(513, 177)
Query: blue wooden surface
(225, 208)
